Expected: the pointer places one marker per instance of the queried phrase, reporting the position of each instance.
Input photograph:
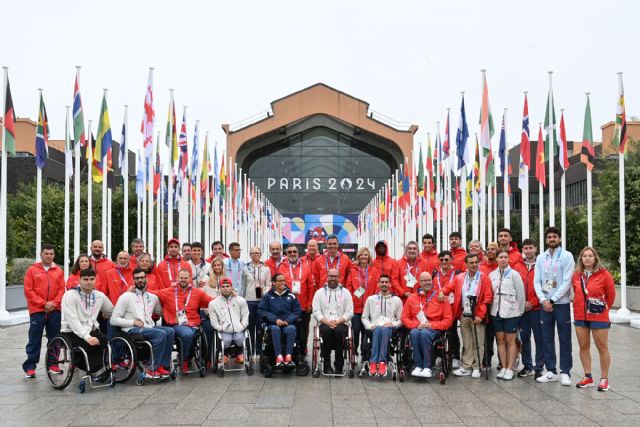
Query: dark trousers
(94, 352)
(454, 340)
(256, 336)
(530, 324)
(39, 322)
(207, 328)
(356, 329)
(559, 318)
(333, 339)
(305, 318)
(489, 339)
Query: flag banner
(9, 120)
(486, 119)
(465, 153)
(140, 176)
(78, 117)
(147, 119)
(502, 148)
(550, 127)
(587, 152)
(420, 182)
(562, 143)
(541, 173)
(620, 131)
(42, 135)
(103, 141)
(525, 148)
(123, 151)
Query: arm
(568, 267)
(485, 298)
(537, 280)
(107, 307)
(61, 288)
(264, 311)
(214, 318)
(317, 308)
(609, 289)
(30, 291)
(296, 312)
(205, 299)
(407, 317)
(244, 314)
(366, 320)
(70, 302)
(117, 317)
(447, 317)
(397, 314)
(521, 297)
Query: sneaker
(208, 364)
(240, 359)
(547, 378)
(373, 369)
(279, 360)
(382, 369)
(524, 373)
(565, 379)
(154, 375)
(288, 360)
(225, 359)
(475, 373)
(461, 372)
(537, 374)
(455, 364)
(508, 375)
(162, 371)
(103, 377)
(124, 365)
(328, 370)
(185, 367)
(603, 385)
(55, 370)
(426, 373)
(501, 373)
(417, 372)
(31, 373)
(586, 382)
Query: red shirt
(189, 299)
(299, 273)
(367, 278)
(323, 264)
(415, 268)
(431, 259)
(438, 313)
(484, 292)
(115, 282)
(42, 286)
(486, 266)
(600, 285)
(458, 259)
(101, 264)
(310, 261)
(273, 264)
(529, 289)
(153, 284)
(167, 271)
(389, 266)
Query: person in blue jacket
(280, 310)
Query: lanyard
(473, 282)
(427, 301)
(89, 302)
(238, 272)
(364, 277)
(442, 274)
(326, 261)
(299, 264)
(410, 267)
(584, 278)
(256, 274)
(198, 269)
(169, 271)
(186, 301)
(551, 262)
(141, 296)
(383, 308)
(125, 285)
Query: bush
(17, 270)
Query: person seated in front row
(382, 316)
(280, 310)
(133, 314)
(229, 315)
(80, 308)
(333, 310)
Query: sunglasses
(292, 252)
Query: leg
(481, 341)
(185, 333)
(502, 349)
(325, 348)
(525, 337)
(290, 338)
(238, 339)
(468, 343)
(563, 320)
(304, 331)
(36, 327)
(164, 356)
(601, 338)
(227, 338)
(356, 328)
(584, 342)
(376, 339)
(207, 328)
(428, 337)
(386, 333)
(276, 339)
(157, 337)
(53, 326)
(339, 336)
(511, 349)
(534, 321)
(416, 343)
(547, 327)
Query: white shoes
(426, 373)
(461, 372)
(501, 373)
(508, 375)
(417, 372)
(565, 379)
(455, 364)
(549, 377)
(475, 373)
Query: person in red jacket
(457, 251)
(43, 289)
(181, 311)
(299, 281)
(472, 295)
(594, 293)
(387, 265)
(442, 277)
(99, 261)
(118, 280)
(505, 240)
(490, 262)
(427, 317)
(332, 258)
(137, 249)
(429, 254)
(475, 247)
(362, 283)
(310, 258)
(217, 251)
(530, 320)
(145, 262)
(167, 269)
(82, 263)
(410, 267)
(276, 258)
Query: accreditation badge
(411, 280)
(359, 292)
(182, 317)
(295, 287)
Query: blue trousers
(530, 324)
(185, 333)
(559, 318)
(276, 337)
(422, 342)
(161, 338)
(380, 343)
(39, 322)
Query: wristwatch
(552, 301)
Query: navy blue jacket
(284, 307)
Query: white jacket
(508, 294)
(80, 311)
(229, 314)
(200, 272)
(332, 304)
(135, 305)
(379, 310)
(252, 274)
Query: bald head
(123, 259)
(426, 282)
(97, 248)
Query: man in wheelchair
(80, 308)
(381, 317)
(333, 309)
(427, 317)
(229, 315)
(280, 310)
(133, 314)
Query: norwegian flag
(182, 148)
(147, 119)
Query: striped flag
(549, 127)
(124, 150)
(103, 142)
(446, 145)
(486, 119)
(541, 173)
(78, 117)
(420, 182)
(587, 153)
(476, 166)
(204, 172)
(9, 120)
(140, 176)
(502, 148)
(183, 159)
(147, 119)
(562, 143)
(525, 148)
(465, 154)
(620, 131)
(42, 135)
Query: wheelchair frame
(317, 361)
(392, 354)
(199, 342)
(440, 350)
(300, 364)
(134, 344)
(217, 356)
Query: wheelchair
(441, 356)
(317, 362)
(67, 358)
(268, 358)
(135, 353)
(197, 352)
(393, 353)
(219, 352)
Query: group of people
(481, 296)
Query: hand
(527, 306)
(388, 325)
(280, 322)
(424, 325)
(49, 306)
(441, 296)
(138, 323)
(333, 324)
(285, 323)
(477, 320)
(372, 327)
(407, 294)
(547, 306)
(93, 341)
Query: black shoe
(339, 369)
(328, 370)
(537, 374)
(524, 373)
(103, 377)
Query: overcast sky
(408, 59)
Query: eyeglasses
(292, 252)
(137, 279)
(445, 260)
(255, 253)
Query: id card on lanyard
(171, 273)
(90, 305)
(410, 278)
(422, 317)
(295, 284)
(362, 289)
(472, 288)
(125, 285)
(181, 315)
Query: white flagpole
(171, 166)
(563, 199)
(623, 314)
(89, 187)
(183, 202)
(125, 182)
(39, 203)
(76, 191)
(541, 210)
(148, 231)
(440, 243)
(109, 243)
(505, 177)
(143, 214)
(4, 314)
(589, 202)
(463, 203)
(105, 172)
(67, 201)
(428, 178)
(197, 208)
(139, 212)
(495, 209)
(207, 204)
(155, 233)
(489, 190)
(483, 199)
(550, 132)
(524, 208)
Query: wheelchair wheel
(402, 375)
(125, 361)
(60, 356)
(267, 371)
(350, 373)
(302, 370)
(442, 378)
(140, 380)
(446, 357)
(394, 376)
(249, 369)
(220, 373)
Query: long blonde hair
(596, 265)
(213, 278)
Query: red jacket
(601, 286)
(42, 286)
(310, 262)
(74, 280)
(323, 264)
(153, 284)
(529, 289)
(167, 271)
(438, 313)
(224, 256)
(442, 280)
(365, 278)
(431, 260)
(515, 257)
(115, 282)
(389, 266)
(484, 292)
(101, 265)
(302, 274)
(197, 299)
(486, 266)
(418, 266)
(458, 259)
(273, 265)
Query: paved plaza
(238, 400)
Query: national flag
(562, 143)
(420, 182)
(216, 180)
(147, 119)
(204, 172)
(182, 149)
(195, 161)
(103, 141)
(620, 131)
(222, 181)
(157, 174)
(123, 151)
(502, 148)
(541, 173)
(465, 152)
(490, 172)
(9, 120)
(468, 199)
(68, 148)
(446, 144)
(486, 119)
(550, 127)
(476, 166)
(140, 176)
(78, 117)
(432, 197)
(406, 186)
(587, 153)
(42, 135)
(171, 139)
(525, 148)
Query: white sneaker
(475, 373)
(548, 377)
(508, 375)
(417, 372)
(455, 364)
(501, 373)
(565, 379)
(461, 372)
(426, 373)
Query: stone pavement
(290, 400)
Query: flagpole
(170, 181)
(439, 225)
(429, 190)
(589, 197)
(183, 202)
(540, 204)
(524, 192)
(76, 190)
(39, 197)
(463, 203)
(125, 181)
(563, 195)
(139, 207)
(4, 314)
(67, 225)
(197, 205)
(156, 232)
(105, 172)
(148, 231)
(89, 187)
(505, 177)
(448, 180)
(623, 314)
(550, 132)
(475, 197)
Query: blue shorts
(509, 326)
(592, 325)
